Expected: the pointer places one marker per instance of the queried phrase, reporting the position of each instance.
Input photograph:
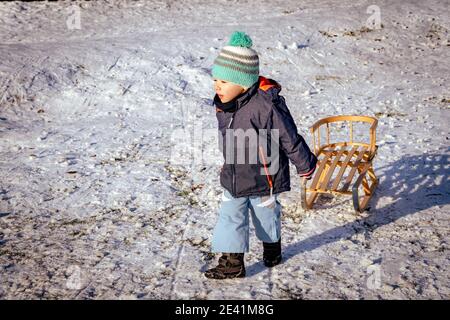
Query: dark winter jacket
(261, 107)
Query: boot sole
(273, 263)
(224, 277)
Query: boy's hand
(308, 175)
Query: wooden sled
(340, 163)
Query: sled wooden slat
(330, 170)
(351, 132)
(353, 169)
(352, 154)
(319, 172)
(328, 133)
(343, 167)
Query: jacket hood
(267, 85)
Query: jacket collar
(241, 101)
(229, 106)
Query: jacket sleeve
(290, 141)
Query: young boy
(248, 103)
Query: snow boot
(231, 265)
(272, 253)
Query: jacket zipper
(269, 178)
(233, 186)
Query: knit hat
(237, 62)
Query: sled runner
(340, 163)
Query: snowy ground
(97, 200)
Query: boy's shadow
(413, 183)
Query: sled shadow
(413, 183)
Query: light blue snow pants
(231, 233)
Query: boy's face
(227, 91)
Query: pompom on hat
(237, 61)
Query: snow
(109, 161)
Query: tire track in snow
(186, 222)
(179, 270)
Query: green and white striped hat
(237, 62)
